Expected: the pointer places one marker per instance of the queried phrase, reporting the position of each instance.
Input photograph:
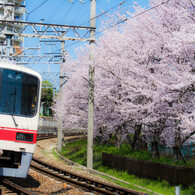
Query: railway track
(46, 136)
(8, 187)
(54, 135)
(67, 177)
(85, 183)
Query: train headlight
(24, 137)
(19, 136)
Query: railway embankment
(76, 152)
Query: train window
(18, 93)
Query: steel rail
(15, 188)
(54, 135)
(77, 180)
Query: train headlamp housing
(24, 137)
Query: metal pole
(91, 89)
(177, 190)
(59, 143)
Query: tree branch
(187, 137)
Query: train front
(20, 89)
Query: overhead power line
(68, 11)
(152, 8)
(121, 3)
(36, 9)
(80, 11)
(52, 15)
(129, 18)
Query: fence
(174, 174)
(46, 126)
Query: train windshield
(18, 93)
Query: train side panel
(20, 94)
(8, 133)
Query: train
(20, 96)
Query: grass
(77, 152)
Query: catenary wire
(121, 3)
(63, 18)
(35, 9)
(80, 12)
(56, 10)
(129, 18)
(152, 8)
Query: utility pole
(59, 144)
(91, 88)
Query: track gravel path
(41, 184)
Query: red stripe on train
(9, 134)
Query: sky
(67, 13)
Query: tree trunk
(175, 153)
(155, 143)
(136, 139)
(99, 138)
(177, 144)
(119, 137)
(154, 149)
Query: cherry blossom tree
(144, 81)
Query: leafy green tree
(47, 98)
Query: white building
(11, 10)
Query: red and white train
(20, 93)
